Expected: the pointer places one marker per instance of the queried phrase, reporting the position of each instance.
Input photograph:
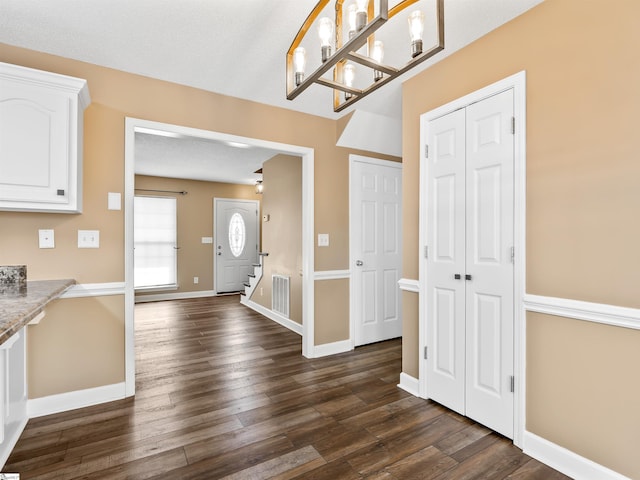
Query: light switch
(207, 239)
(88, 238)
(114, 201)
(46, 239)
(323, 239)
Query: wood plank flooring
(223, 392)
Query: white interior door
(236, 234)
(446, 301)
(470, 306)
(375, 251)
(489, 238)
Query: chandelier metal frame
(347, 51)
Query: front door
(375, 251)
(236, 230)
(470, 233)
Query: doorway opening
(133, 125)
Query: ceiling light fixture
(259, 187)
(362, 19)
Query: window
(154, 238)
(237, 234)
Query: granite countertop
(20, 304)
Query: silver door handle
(219, 253)
(359, 263)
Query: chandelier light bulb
(361, 14)
(416, 29)
(352, 11)
(349, 75)
(299, 64)
(377, 53)
(325, 32)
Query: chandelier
(347, 47)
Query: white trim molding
(270, 314)
(409, 285)
(579, 310)
(62, 402)
(174, 296)
(333, 348)
(566, 461)
(94, 290)
(331, 275)
(409, 384)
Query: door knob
(219, 253)
(359, 263)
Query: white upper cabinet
(41, 120)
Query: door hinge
(426, 251)
(513, 254)
(512, 381)
(425, 353)
(513, 125)
(426, 151)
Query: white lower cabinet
(13, 392)
(41, 130)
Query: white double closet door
(470, 272)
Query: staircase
(254, 279)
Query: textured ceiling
(232, 47)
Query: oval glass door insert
(237, 234)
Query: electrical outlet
(88, 238)
(195, 280)
(323, 239)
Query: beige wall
(582, 201)
(68, 333)
(282, 234)
(195, 220)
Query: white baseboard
(334, 348)
(174, 296)
(565, 461)
(409, 384)
(285, 322)
(38, 407)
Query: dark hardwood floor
(223, 392)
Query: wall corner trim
(409, 285)
(94, 290)
(566, 461)
(579, 310)
(62, 402)
(285, 322)
(409, 384)
(333, 348)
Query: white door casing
(470, 281)
(375, 249)
(236, 236)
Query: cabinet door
(34, 143)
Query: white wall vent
(280, 295)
